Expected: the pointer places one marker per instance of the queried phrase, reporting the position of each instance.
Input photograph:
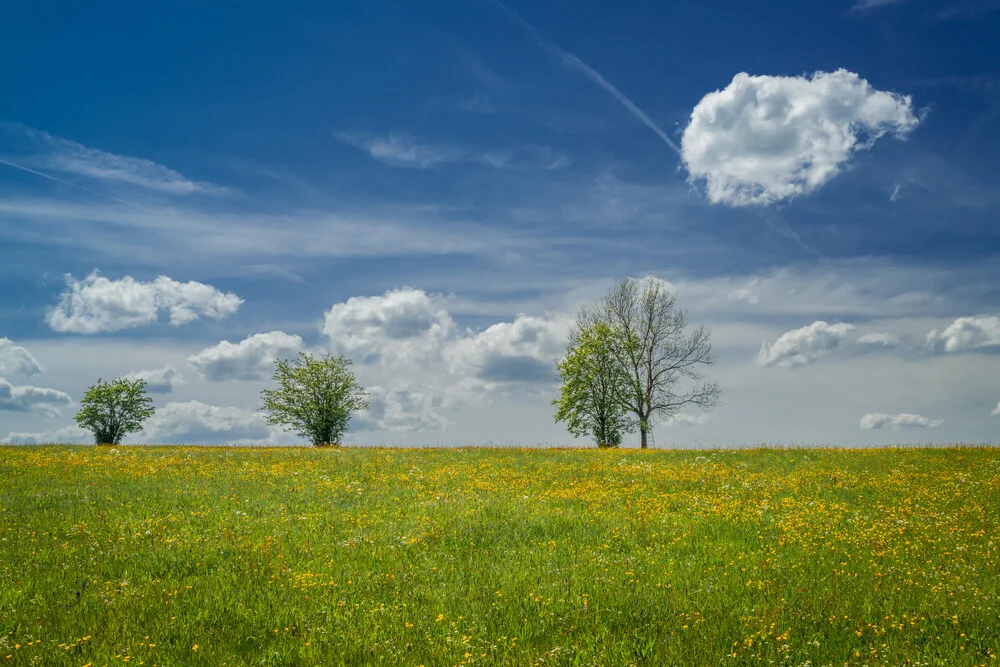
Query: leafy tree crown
(315, 397)
(111, 410)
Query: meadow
(224, 556)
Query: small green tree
(315, 397)
(592, 383)
(114, 409)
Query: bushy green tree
(114, 409)
(315, 397)
(593, 381)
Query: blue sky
(436, 188)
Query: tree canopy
(632, 352)
(592, 382)
(315, 397)
(114, 409)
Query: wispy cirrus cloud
(862, 6)
(30, 149)
(399, 150)
(968, 9)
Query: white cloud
(966, 334)
(65, 435)
(524, 350)
(251, 359)
(877, 420)
(744, 294)
(883, 339)
(803, 346)
(683, 419)
(45, 151)
(97, 304)
(159, 380)
(15, 360)
(402, 151)
(477, 103)
(404, 326)
(865, 5)
(32, 399)
(154, 236)
(996, 411)
(196, 422)
(401, 409)
(764, 139)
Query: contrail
(573, 62)
(783, 228)
(72, 185)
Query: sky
(190, 191)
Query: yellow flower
(194, 648)
(439, 618)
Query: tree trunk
(642, 430)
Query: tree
(592, 381)
(656, 353)
(113, 409)
(315, 397)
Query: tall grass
(199, 556)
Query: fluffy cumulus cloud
(158, 380)
(524, 350)
(878, 340)
(97, 304)
(402, 409)
(26, 398)
(251, 359)
(403, 326)
(65, 435)
(764, 139)
(967, 334)
(196, 422)
(802, 346)
(877, 420)
(15, 360)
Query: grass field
(202, 556)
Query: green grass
(202, 556)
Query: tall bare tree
(657, 352)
